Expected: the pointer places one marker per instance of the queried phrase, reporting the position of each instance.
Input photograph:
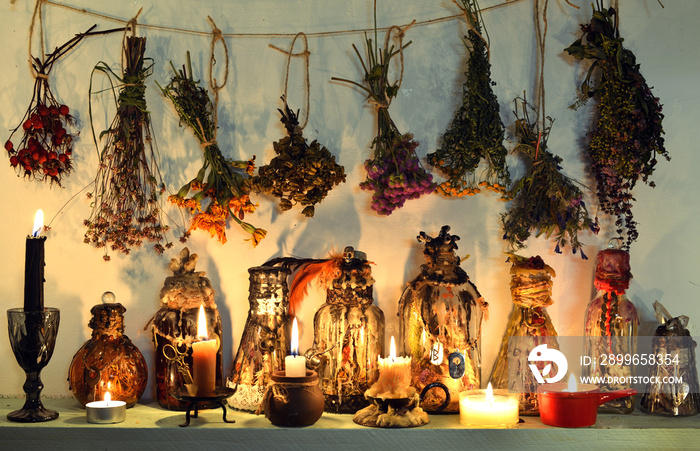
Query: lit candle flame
(202, 333)
(489, 393)
(295, 338)
(108, 397)
(572, 386)
(392, 350)
(38, 222)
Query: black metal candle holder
(33, 337)
(195, 402)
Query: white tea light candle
(481, 408)
(105, 412)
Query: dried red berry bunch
(45, 149)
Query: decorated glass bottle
(348, 335)
(611, 325)
(265, 340)
(673, 388)
(529, 326)
(440, 315)
(175, 328)
(108, 361)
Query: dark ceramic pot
(294, 401)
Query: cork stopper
(108, 317)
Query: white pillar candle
(394, 376)
(295, 364)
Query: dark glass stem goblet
(33, 336)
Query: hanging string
(385, 102)
(130, 28)
(541, 33)
(471, 22)
(266, 35)
(37, 17)
(307, 84)
(216, 36)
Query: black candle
(34, 268)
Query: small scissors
(172, 354)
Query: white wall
(663, 260)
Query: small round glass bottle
(108, 361)
(611, 325)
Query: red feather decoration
(322, 270)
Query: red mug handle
(609, 396)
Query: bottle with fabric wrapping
(529, 326)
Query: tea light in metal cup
(106, 412)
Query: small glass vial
(108, 361)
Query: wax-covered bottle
(440, 315)
(611, 326)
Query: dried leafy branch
(126, 198)
(394, 173)
(626, 135)
(475, 137)
(220, 189)
(544, 200)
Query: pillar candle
(34, 267)
(295, 364)
(204, 358)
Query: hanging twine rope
(37, 18)
(471, 23)
(214, 85)
(263, 35)
(541, 33)
(307, 84)
(129, 31)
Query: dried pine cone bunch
(301, 173)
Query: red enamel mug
(574, 409)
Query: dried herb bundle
(126, 206)
(300, 173)
(544, 200)
(44, 151)
(222, 184)
(627, 133)
(394, 172)
(476, 134)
